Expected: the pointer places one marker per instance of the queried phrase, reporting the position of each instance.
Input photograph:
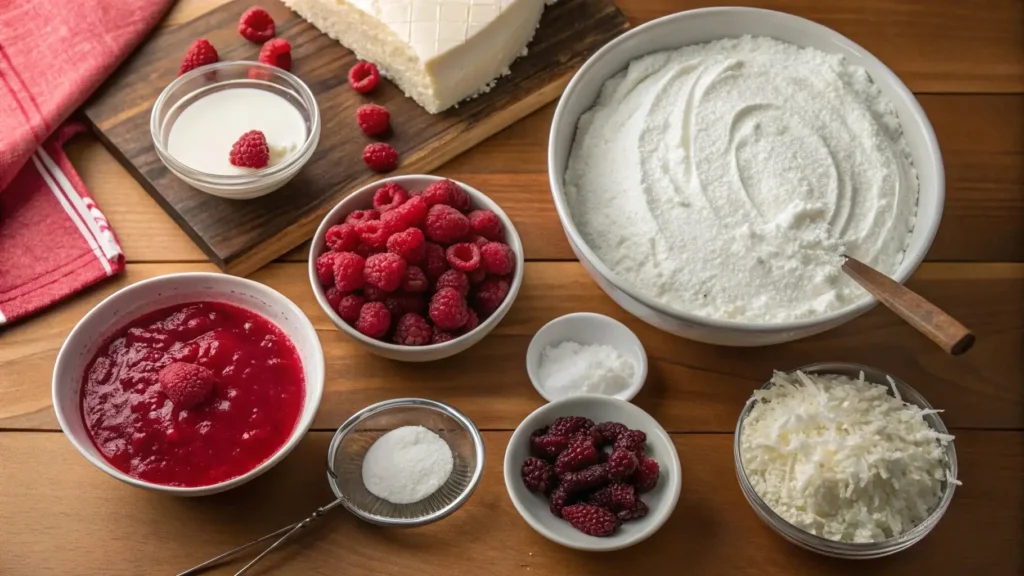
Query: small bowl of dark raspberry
(416, 268)
(593, 473)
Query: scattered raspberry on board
(256, 25)
(200, 53)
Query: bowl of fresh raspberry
(593, 473)
(416, 268)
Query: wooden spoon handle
(927, 318)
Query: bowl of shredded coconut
(845, 460)
(712, 170)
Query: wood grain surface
(241, 236)
(965, 60)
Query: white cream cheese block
(438, 52)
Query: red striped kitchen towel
(54, 240)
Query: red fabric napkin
(54, 241)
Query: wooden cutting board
(243, 235)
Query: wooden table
(965, 60)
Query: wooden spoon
(927, 318)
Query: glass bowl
(352, 440)
(203, 81)
(833, 548)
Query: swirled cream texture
(728, 179)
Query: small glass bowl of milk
(202, 113)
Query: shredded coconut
(843, 459)
(406, 465)
(569, 368)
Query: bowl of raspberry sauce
(190, 383)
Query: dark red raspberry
(362, 216)
(200, 53)
(415, 280)
(373, 119)
(472, 321)
(486, 224)
(333, 297)
(580, 454)
(446, 192)
(389, 196)
(348, 271)
(463, 256)
(250, 150)
(256, 25)
(621, 464)
(412, 330)
(453, 279)
(363, 77)
(480, 241)
(435, 262)
(544, 445)
(409, 244)
(374, 320)
(325, 268)
(277, 52)
(489, 295)
(477, 276)
(637, 511)
(373, 233)
(401, 303)
(587, 479)
(615, 497)
(186, 384)
(380, 157)
(445, 225)
(448, 309)
(569, 425)
(558, 500)
(441, 337)
(537, 475)
(385, 271)
(647, 473)
(342, 238)
(374, 294)
(591, 520)
(350, 306)
(632, 440)
(608, 432)
(497, 258)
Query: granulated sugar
(406, 465)
(569, 368)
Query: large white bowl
(705, 25)
(129, 303)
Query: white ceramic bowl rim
(312, 396)
(906, 268)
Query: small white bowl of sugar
(586, 353)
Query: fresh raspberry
(632, 440)
(544, 445)
(256, 25)
(413, 212)
(348, 271)
(486, 224)
(342, 238)
(558, 500)
(472, 321)
(637, 511)
(537, 475)
(333, 297)
(453, 279)
(325, 268)
(587, 479)
(409, 244)
(415, 280)
(380, 157)
(385, 271)
(580, 454)
(615, 497)
(374, 233)
(434, 263)
(608, 432)
(200, 53)
(621, 464)
(445, 225)
(569, 425)
(277, 52)
(590, 520)
(350, 306)
(374, 320)
(374, 294)
(441, 337)
(448, 309)
(446, 192)
(186, 384)
(463, 256)
(362, 216)
(412, 330)
(497, 258)
(373, 119)
(477, 276)
(389, 196)
(401, 303)
(479, 241)
(363, 77)
(250, 150)
(645, 478)
(489, 295)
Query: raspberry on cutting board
(256, 25)
(277, 52)
(200, 53)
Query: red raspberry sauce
(251, 412)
